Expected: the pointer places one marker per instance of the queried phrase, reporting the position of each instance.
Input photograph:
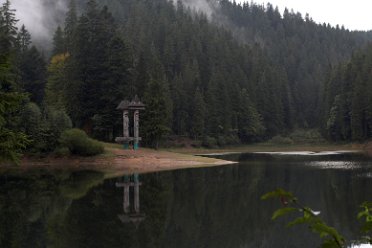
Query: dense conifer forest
(239, 74)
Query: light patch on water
(218, 154)
(365, 175)
(308, 153)
(344, 165)
(361, 246)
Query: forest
(245, 73)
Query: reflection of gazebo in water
(135, 105)
(131, 214)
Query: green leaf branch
(330, 236)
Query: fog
(41, 18)
(208, 7)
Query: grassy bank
(269, 147)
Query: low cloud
(208, 7)
(41, 18)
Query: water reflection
(134, 214)
(211, 207)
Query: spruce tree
(9, 21)
(71, 22)
(12, 141)
(249, 121)
(156, 116)
(198, 115)
(59, 46)
(23, 39)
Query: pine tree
(9, 22)
(59, 46)
(198, 115)
(33, 74)
(156, 116)
(23, 39)
(12, 141)
(250, 127)
(71, 22)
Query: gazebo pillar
(126, 129)
(135, 105)
(136, 130)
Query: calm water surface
(209, 207)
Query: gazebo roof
(135, 104)
(124, 105)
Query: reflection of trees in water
(90, 222)
(222, 207)
(31, 202)
(211, 207)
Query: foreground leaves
(330, 236)
(366, 216)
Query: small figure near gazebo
(135, 105)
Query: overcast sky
(353, 14)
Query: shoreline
(266, 147)
(116, 161)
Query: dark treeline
(198, 80)
(195, 78)
(211, 83)
(305, 49)
(348, 99)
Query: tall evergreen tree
(59, 46)
(9, 21)
(33, 74)
(24, 39)
(71, 22)
(12, 141)
(198, 114)
(157, 114)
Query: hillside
(232, 74)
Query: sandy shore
(118, 162)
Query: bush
(232, 140)
(221, 141)
(209, 142)
(280, 140)
(78, 142)
(197, 143)
(311, 136)
(59, 121)
(61, 152)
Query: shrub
(197, 143)
(280, 140)
(310, 136)
(209, 142)
(232, 139)
(78, 142)
(61, 152)
(221, 141)
(59, 121)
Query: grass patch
(270, 147)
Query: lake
(206, 207)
